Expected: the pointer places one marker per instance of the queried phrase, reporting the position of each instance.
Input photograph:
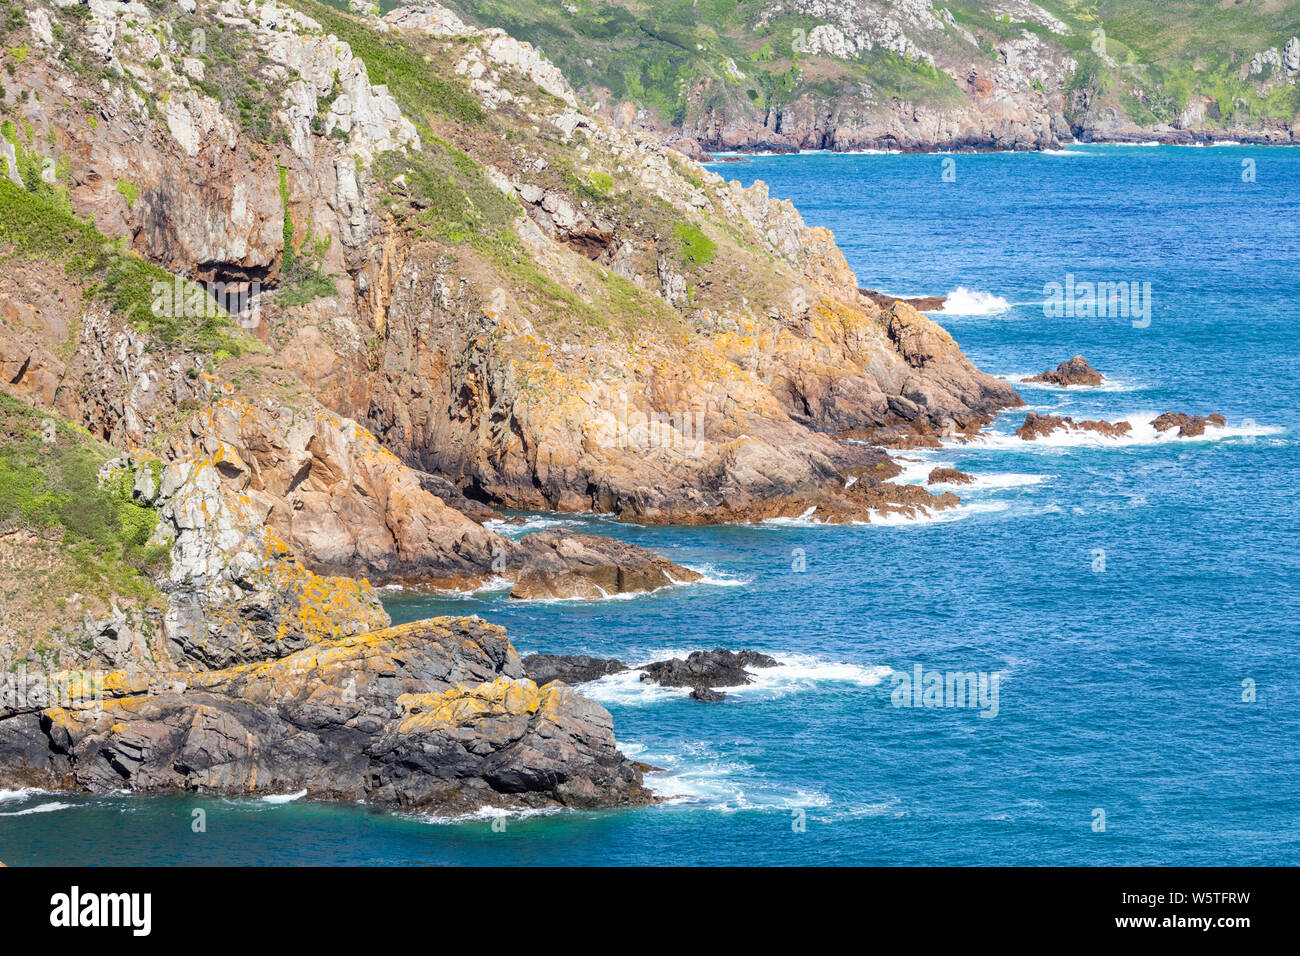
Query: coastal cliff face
(293, 299)
(919, 75)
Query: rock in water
(707, 694)
(1075, 371)
(948, 476)
(1189, 426)
(570, 668)
(563, 564)
(1040, 426)
(432, 715)
(716, 668)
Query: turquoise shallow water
(1120, 689)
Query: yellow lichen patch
(460, 705)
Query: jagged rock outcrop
(344, 504)
(1073, 371)
(716, 668)
(434, 715)
(1037, 426)
(235, 591)
(1189, 426)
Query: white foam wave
(994, 482)
(964, 301)
(794, 673)
(39, 808)
(1141, 433)
(877, 518)
(515, 528)
(927, 516)
(279, 798)
(487, 813)
(21, 794)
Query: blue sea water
(1128, 595)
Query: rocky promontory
(435, 715)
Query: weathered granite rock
(434, 715)
(1073, 371)
(235, 592)
(345, 505)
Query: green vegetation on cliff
(36, 223)
(682, 59)
(49, 486)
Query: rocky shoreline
(429, 328)
(435, 716)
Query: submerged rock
(434, 715)
(1074, 371)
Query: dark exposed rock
(431, 715)
(570, 668)
(452, 497)
(715, 668)
(1074, 371)
(1189, 426)
(707, 694)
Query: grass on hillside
(36, 223)
(49, 485)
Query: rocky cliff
(296, 298)
(920, 74)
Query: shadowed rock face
(1074, 371)
(431, 715)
